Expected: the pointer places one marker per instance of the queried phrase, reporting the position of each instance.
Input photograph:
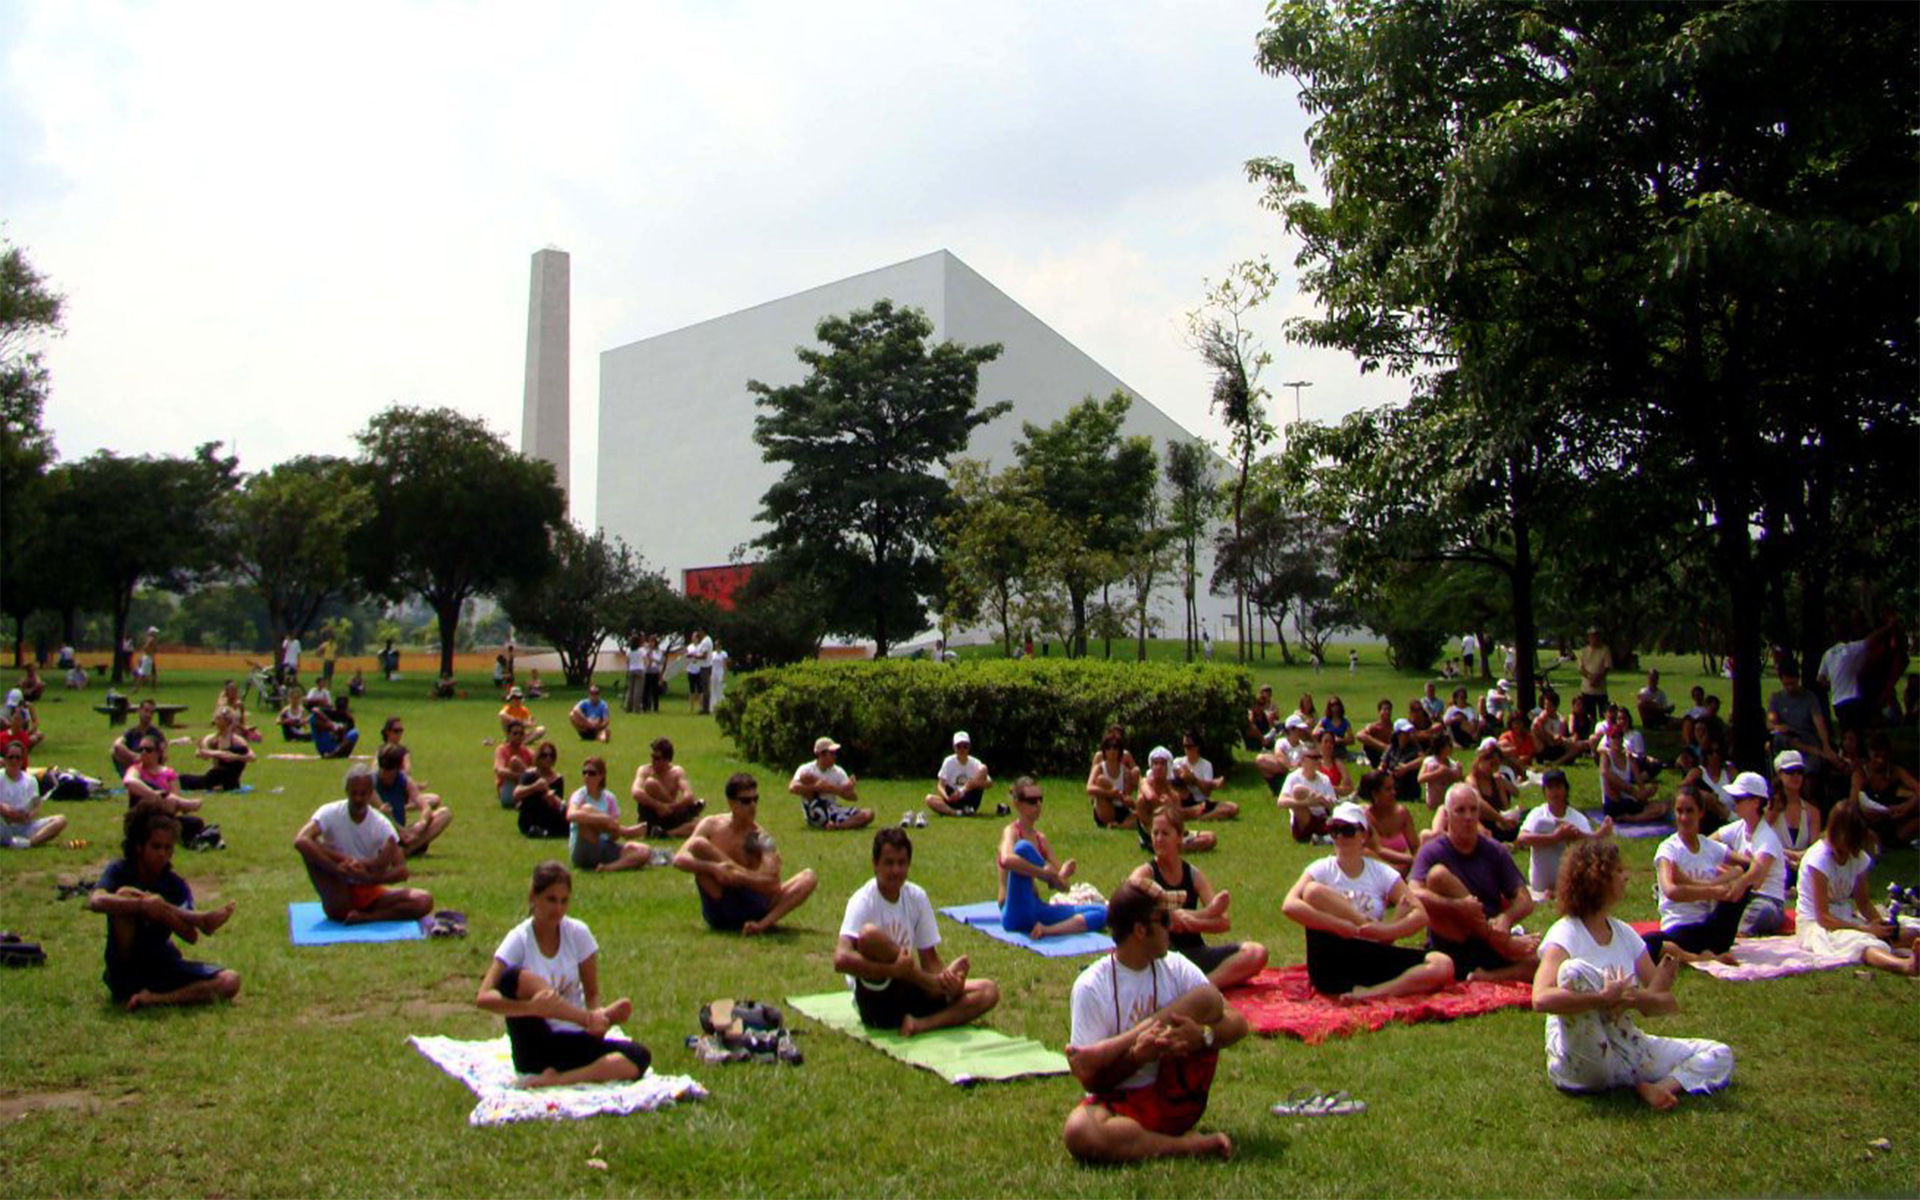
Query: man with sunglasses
(737, 867)
(1147, 1033)
(590, 718)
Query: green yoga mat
(967, 1054)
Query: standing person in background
(717, 676)
(1596, 659)
(699, 657)
(636, 700)
(290, 660)
(656, 661)
(1469, 646)
(327, 659)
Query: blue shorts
(734, 908)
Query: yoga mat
(487, 1070)
(1623, 830)
(985, 918)
(1282, 1001)
(311, 926)
(963, 1055)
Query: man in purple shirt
(1475, 897)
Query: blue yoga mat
(311, 926)
(985, 918)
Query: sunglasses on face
(747, 798)
(1339, 829)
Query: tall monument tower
(543, 417)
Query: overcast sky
(272, 221)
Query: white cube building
(680, 476)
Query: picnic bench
(117, 707)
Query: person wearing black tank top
(1197, 908)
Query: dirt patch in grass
(19, 1106)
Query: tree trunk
(122, 610)
(1106, 604)
(447, 613)
(19, 641)
(1521, 580)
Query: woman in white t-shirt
(1344, 900)
(1594, 971)
(1702, 893)
(545, 980)
(1752, 844)
(1835, 915)
(596, 839)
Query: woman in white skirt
(1594, 972)
(1835, 915)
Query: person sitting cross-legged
(511, 759)
(1354, 909)
(1474, 896)
(961, 782)
(889, 951)
(352, 853)
(590, 718)
(545, 980)
(1147, 1033)
(737, 868)
(1594, 973)
(126, 747)
(21, 828)
(1025, 859)
(599, 841)
(823, 785)
(663, 795)
(403, 797)
(1197, 908)
(146, 905)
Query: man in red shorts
(1147, 1032)
(352, 854)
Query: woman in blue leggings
(1025, 857)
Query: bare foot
(755, 928)
(1213, 1143)
(1039, 931)
(960, 966)
(211, 922)
(1658, 1096)
(618, 1011)
(1726, 959)
(1477, 975)
(139, 1000)
(543, 1079)
(908, 1027)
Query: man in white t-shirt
(352, 854)
(1307, 796)
(1147, 1033)
(290, 659)
(1548, 829)
(699, 654)
(1469, 646)
(1839, 676)
(822, 785)
(889, 951)
(1276, 764)
(961, 781)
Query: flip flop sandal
(1297, 1102)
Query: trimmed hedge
(897, 717)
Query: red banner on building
(717, 584)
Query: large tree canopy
(577, 604)
(291, 530)
(456, 512)
(863, 438)
(29, 311)
(1691, 226)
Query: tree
(778, 616)
(1217, 329)
(1148, 555)
(1716, 199)
(29, 311)
(291, 530)
(995, 547)
(862, 436)
(112, 553)
(1191, 503)
(456, 513)
(576, 605)
(1097, 484)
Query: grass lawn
(306, 1086)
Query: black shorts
(885, 1008)
(156, 975)
(1121, 811)
(538, 1047)
(734, 908)
(588, 735)
(1337, 965)
(1468, 957)
(967, 801)
(1208, 958)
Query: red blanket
(1282, 1001)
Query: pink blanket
(1771, 958)
(1282, 1001)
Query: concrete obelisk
(543, 418)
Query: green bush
(1413, 649)
(897, 717)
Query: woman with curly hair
(1594, 972)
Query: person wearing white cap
(1159, 789)
(1702, 893)
(1835, 914)
(1285, 755)
(1791, 813)
(1354, 909)
(1752, 845)
(515, 709)
(823, 785)
(1307, 796)
(961, 781)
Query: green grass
(306, 1085)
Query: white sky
(271, 221)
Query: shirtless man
(352, 853)
(511, 759)
(737, 868)
(1158, 789)
(664, 794)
